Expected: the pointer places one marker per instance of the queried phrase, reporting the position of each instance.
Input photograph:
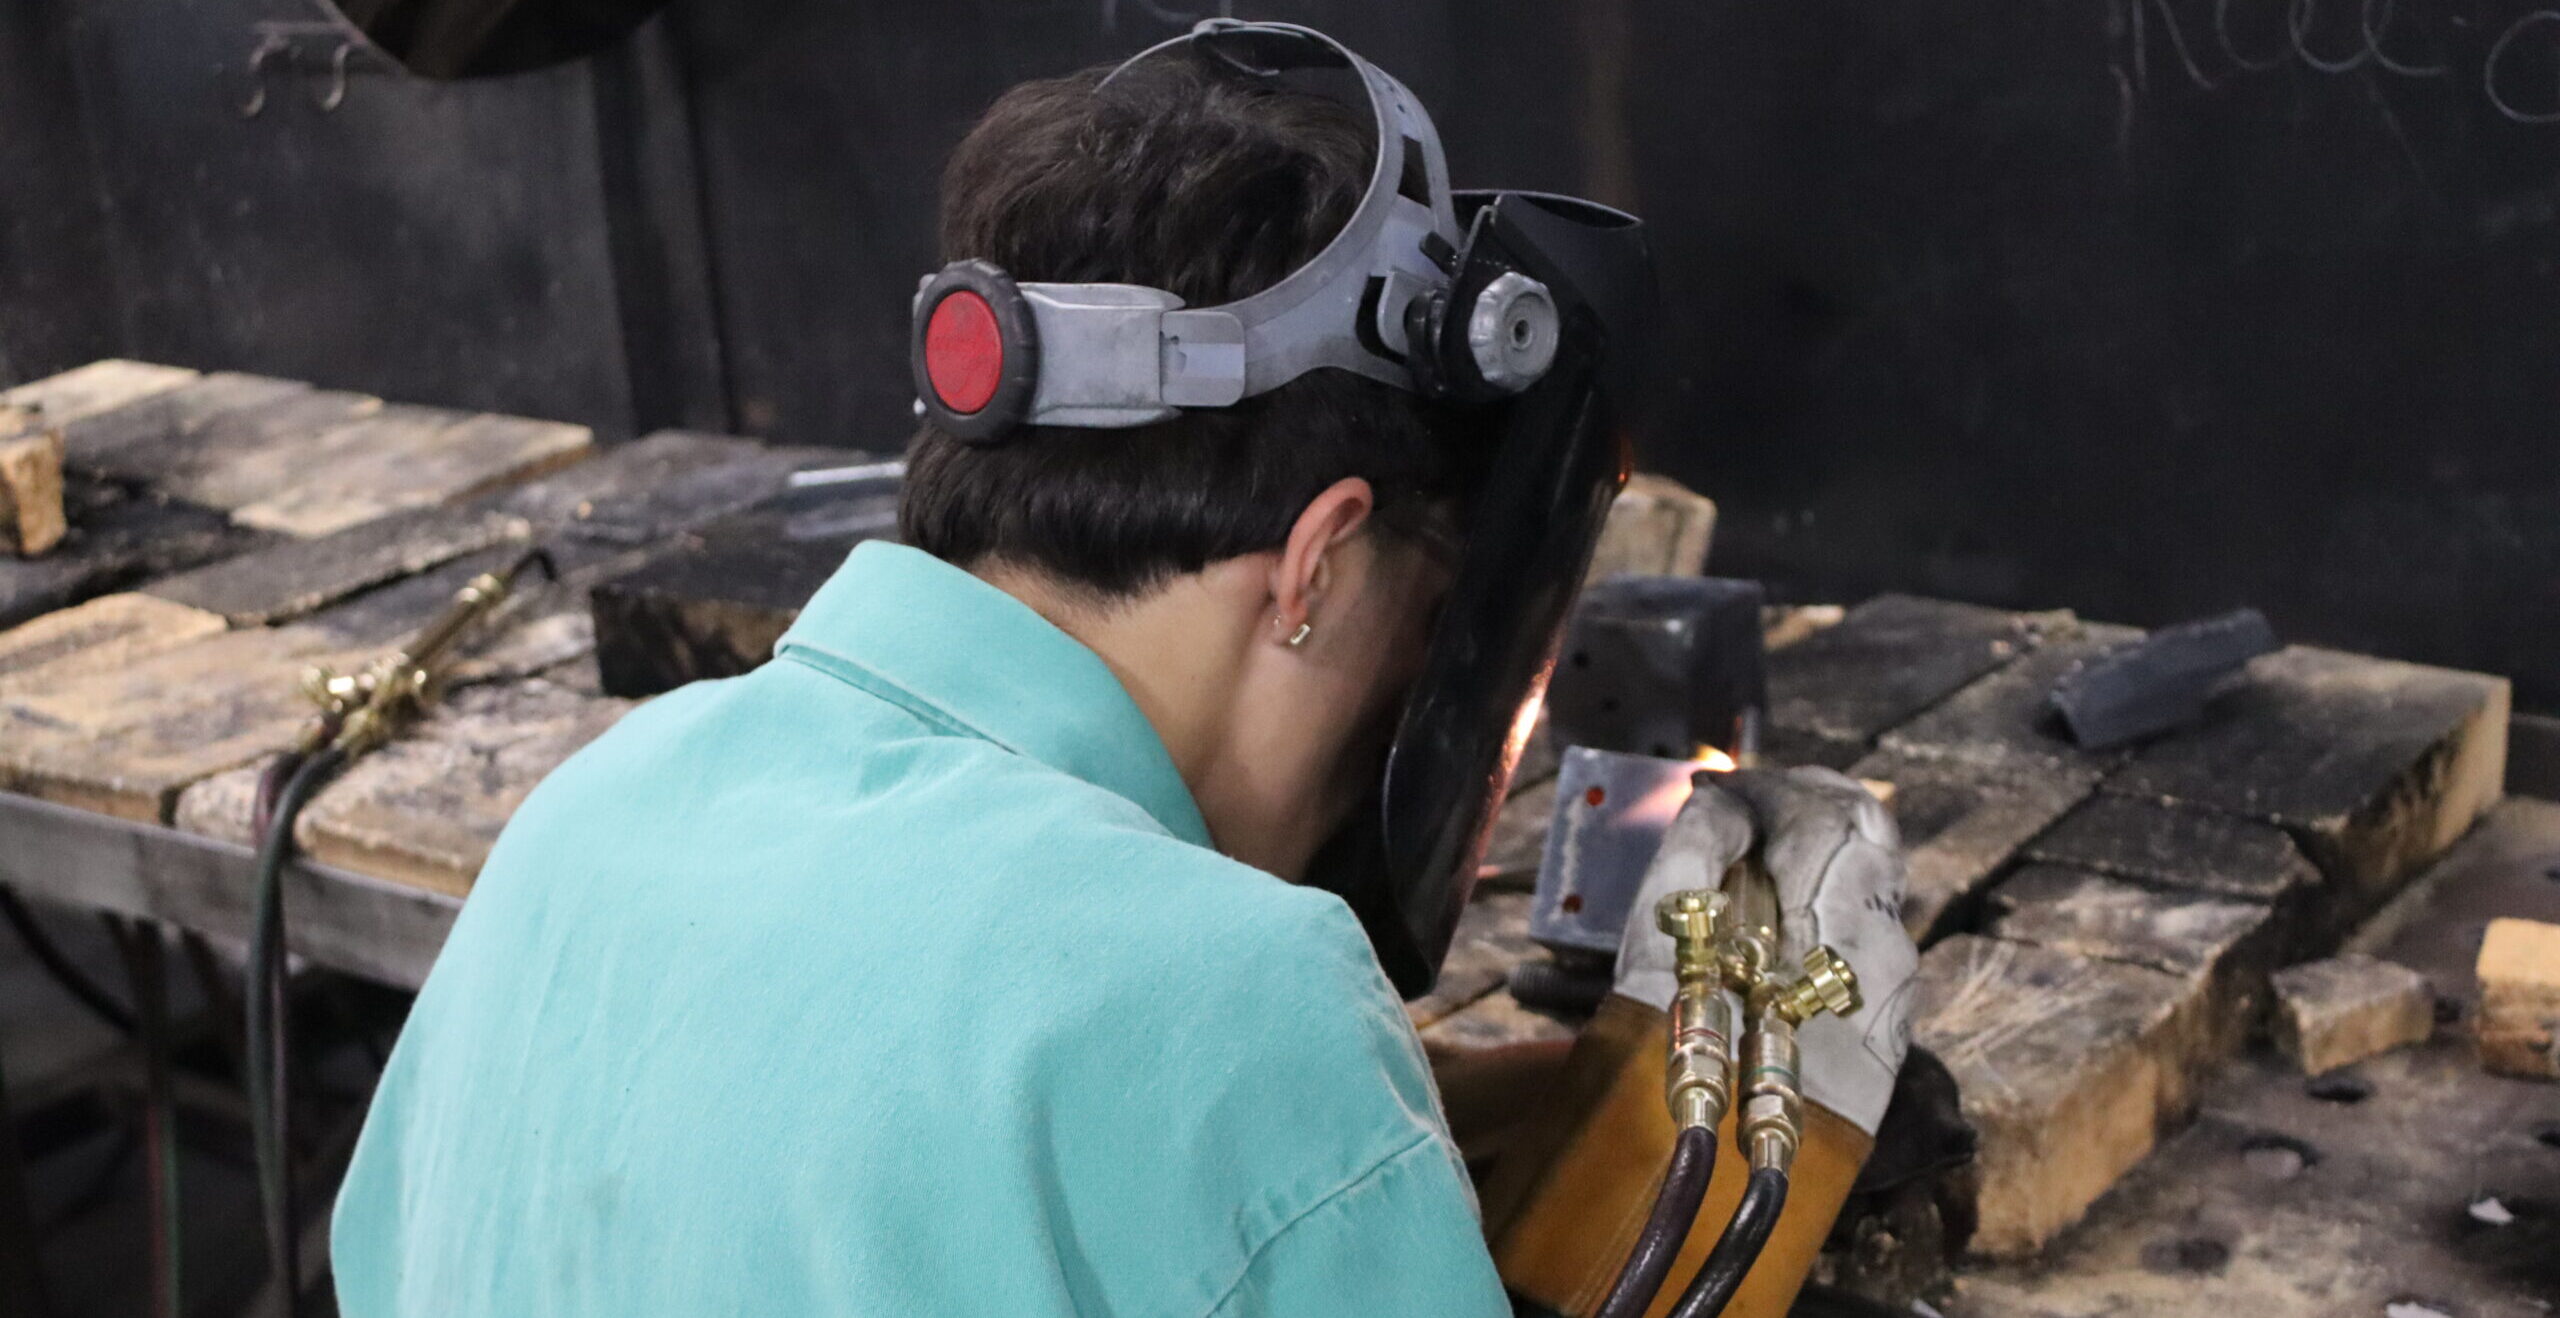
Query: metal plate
(1611, 810)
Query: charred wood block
(294, 578)
(100, 386)
(1492, 937)
(2005, 719)
(154, 435)
(385, 615)
(125, 740)
(692, 616)
(117, 539)
(2226, 947)
(103, 633)
(2091, 914)
(219, 806)
(2519, 969)
(235, 459)
(641, 493)
(2343, 1010)
(540, 642)
(31, 513)
(2374, 766)
(2198, 850)
(1834, 692)
(425, 809)
(1961, 825)
(106, 440)
(1656, 527)
(404, 457)
(2181, 848)
(2064, 1064)
(596, 520)
(715, 607)
(2161, 682)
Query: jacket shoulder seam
(1367, 1175)
(828, 663)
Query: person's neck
(1178, 650)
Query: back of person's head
(1213, 189)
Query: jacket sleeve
(1401, 1240)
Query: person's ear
(1304, 576)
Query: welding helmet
(1521, 311)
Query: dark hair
(1211, 188)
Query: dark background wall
(2141, 307)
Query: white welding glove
(1836, 859)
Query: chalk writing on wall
(2514, 61)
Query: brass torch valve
(1698, 1083)
(362, 710)
(1772, 1124)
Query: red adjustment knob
(975, 352)
(963, 352)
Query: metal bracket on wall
(314, 48)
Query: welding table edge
(372, 928)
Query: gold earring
(1299, 637)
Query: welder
(1026, 937)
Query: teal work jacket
(898, 978)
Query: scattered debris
(2519, 1027)
(31, 516)
(2345, 1009)
(2277, 1157)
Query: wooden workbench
(228, 532)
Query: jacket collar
(916, 631)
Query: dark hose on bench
(287, 786)
(1693, 1164)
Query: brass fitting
(1772, 1118)
(1746, 961)
(337, 694)
(1699, 1082)
(1749, 951)
(360, 711)
(1828, 985)
(1691, 916)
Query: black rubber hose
(61, 967)
(1684, 1185)
(534, 557)
(1737, 1249)
(270, 1046)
